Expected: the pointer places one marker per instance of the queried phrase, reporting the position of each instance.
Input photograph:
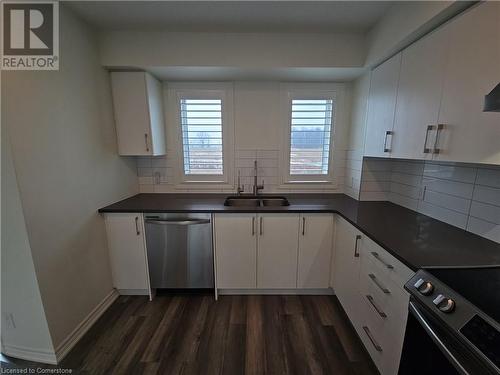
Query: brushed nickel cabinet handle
(260, 226)
(378, 284)
(436, 140)
(426, 149)
(253, 226)
(137, 225)
(356, 252)
(387, 133)
(146, 141)
(376, 256)
(303, 226)
(377, 309)
(375, 344)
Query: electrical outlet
(9, 320)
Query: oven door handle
(435, 338)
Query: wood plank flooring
(194, 335)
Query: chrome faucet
(256, 187)
(240, 188)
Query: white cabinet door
(381, 107)
(472, 70)
(277, 251)
(346, 267)
(236, 251)
(315, 250)
(137, 101)
(419, 94)
(127, 252)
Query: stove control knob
(444, 304)
(424, 287)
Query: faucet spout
(256, 187)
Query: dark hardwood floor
(236, 335)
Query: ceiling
(232, 16)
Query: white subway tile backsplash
(487, 194)
(144, 172)
(463, 195)
(450, 172)
(405, 178)
(412, 192)
(448, 201)
(488, 177)
(483, 228)
(485, 211)
(448, 216)
(459, 189)
(159, 162)
(143, 162)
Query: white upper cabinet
(138, 106)
(419, 94)
(236, 251)
(277, 251)
(472, 70)
(381, 107)
(315, 250)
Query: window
(201, 121)
(310, 137)
(202, 138)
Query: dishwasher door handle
(178, 222)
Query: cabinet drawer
(388, 265)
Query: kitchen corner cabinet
(127, 253)
(381, 108)
(346, 266)
(315, 251)
(138, 108)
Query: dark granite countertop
(417, 240)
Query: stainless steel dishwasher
(179, 248)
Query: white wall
(404, 23)
(356, 141)
(65, 156)
(259, 123)
(249, 50)
(24, 325)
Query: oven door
(431, 348)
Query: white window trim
(310, 91)
(203, 90)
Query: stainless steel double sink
(255, 201)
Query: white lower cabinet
(346, 266)
(377, 303)
(127, 253)
(273, 250)
(315, 251)
(236, 251)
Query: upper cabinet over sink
(429, 106)
(138, 105)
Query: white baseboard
(29, 354)
(72, 339)
(293, 292)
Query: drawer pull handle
(137, 226)
(387, 133)
(437, 150)
(377, 309)
(426, 149)
(253, 226)
(260, 226)
(376, 256)
(356, 252)
(377, 283)
(375, 344)
(146, 141)
(303, 226)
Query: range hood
(492, 100)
